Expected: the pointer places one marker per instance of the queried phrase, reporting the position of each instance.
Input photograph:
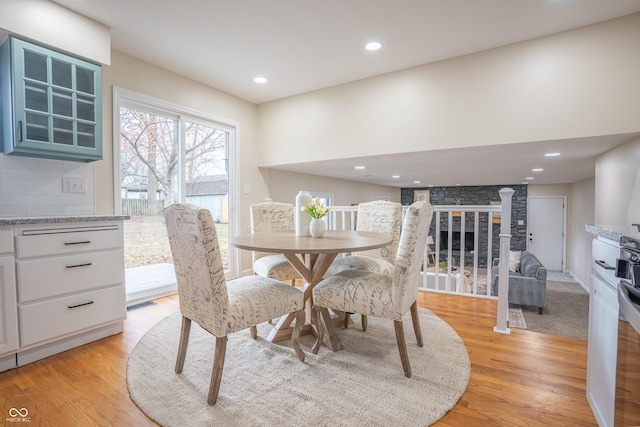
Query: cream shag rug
(265, 384)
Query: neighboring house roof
(208, 186)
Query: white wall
(579, 83)
(617, 185)
(581, 212)
(284, 186)
(46, 22)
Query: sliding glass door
(167, 156)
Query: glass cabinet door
(57, 101)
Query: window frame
(128, 98)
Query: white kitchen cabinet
(8, 312)
(603, 332)
(70, 285)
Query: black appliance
(627, 398)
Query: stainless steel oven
(627, 398)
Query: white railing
(463, 270)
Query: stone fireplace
(475, 195)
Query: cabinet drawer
(6, 240)
(44, 321)
(50, 277)
(35, 242)
(604, 260)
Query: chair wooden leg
(416, 323)
(539, 310)
(184, 342)
(402, 347)
(347, 316)
(363, 319)
(297, 330)
(254, 332)
(316, 318)
(216, 374)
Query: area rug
(265, 384)
(566, 311)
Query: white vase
(317, 227)
(303, 199)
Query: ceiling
(301, 46)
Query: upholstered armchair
(389, 296)
(219, 307)
(269, 217)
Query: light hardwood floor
(522, 379)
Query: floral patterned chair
(206, 298)
(267, 217)
(379, 217)
(383, 295)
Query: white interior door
(545, 236)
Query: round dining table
(311, 257)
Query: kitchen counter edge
(60, 219)
(613, 232)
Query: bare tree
(149, 152)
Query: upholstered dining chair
(268, 217)
(388, 296)
(218, 306)
(378, 216)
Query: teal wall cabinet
(50, 103)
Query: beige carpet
(566, 311)
(264, 384)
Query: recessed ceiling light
(430, 185)
(528, 177)
(537, 170)
(395, 176)
(359, 167)
(524, 182)
(373, 46)
(260, 80)
(416, 182)
(551, 154)
(458, 185)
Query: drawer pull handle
(77, 243)
(79, 265)
(80, 305)
(605, 265)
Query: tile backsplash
(33, 187)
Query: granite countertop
(613, 232)
(53, 219)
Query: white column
(502, 321)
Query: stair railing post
(502, 321)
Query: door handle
(79, 265)
(604, 265)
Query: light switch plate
(247, 189)
(74, 185)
